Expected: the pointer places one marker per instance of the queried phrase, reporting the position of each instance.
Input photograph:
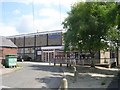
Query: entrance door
(45, 56)
(51, 56)
(48, 56)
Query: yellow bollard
(64, 84)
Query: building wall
(19, 41)
(0, 52)
(41, 40)
(29, 41)
(28, 44)
(104, 56)
(8, 51)
(51, 39)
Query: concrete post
(64, 84)
(70, 62)
(22, 60)
(74, 63)
(54, 61)
(75, 73)
(82, 60)
(67, 64)
(60, 64)
(54, 53)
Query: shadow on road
(50, 82)
(115, 83)
(88, 69)
(46, 68)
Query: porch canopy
(52, 47)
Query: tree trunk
(92, 60)
(117, 55)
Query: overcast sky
(29, 16)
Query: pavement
(8, 70)
(47, 76)
(4, 70)
(92, 79)
(115, 83)
(32, 75)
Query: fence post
(54, 61)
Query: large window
(20, 50)
(29, 50)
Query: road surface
(33, 75)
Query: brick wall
(6, 51)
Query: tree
(87, 26)
(114, 32)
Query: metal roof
(4, 42)
(37, 33)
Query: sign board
(38, 52)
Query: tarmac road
(33, 75)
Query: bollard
(74, 63)
(54, 64)
(64, 84)
(67, 64)
(109, 66)
(60, 64)
(75, 74)
(22, 60)
(92, 64)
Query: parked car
(19, 58)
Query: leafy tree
(114, 32)
(87, 26)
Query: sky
(30, 16)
